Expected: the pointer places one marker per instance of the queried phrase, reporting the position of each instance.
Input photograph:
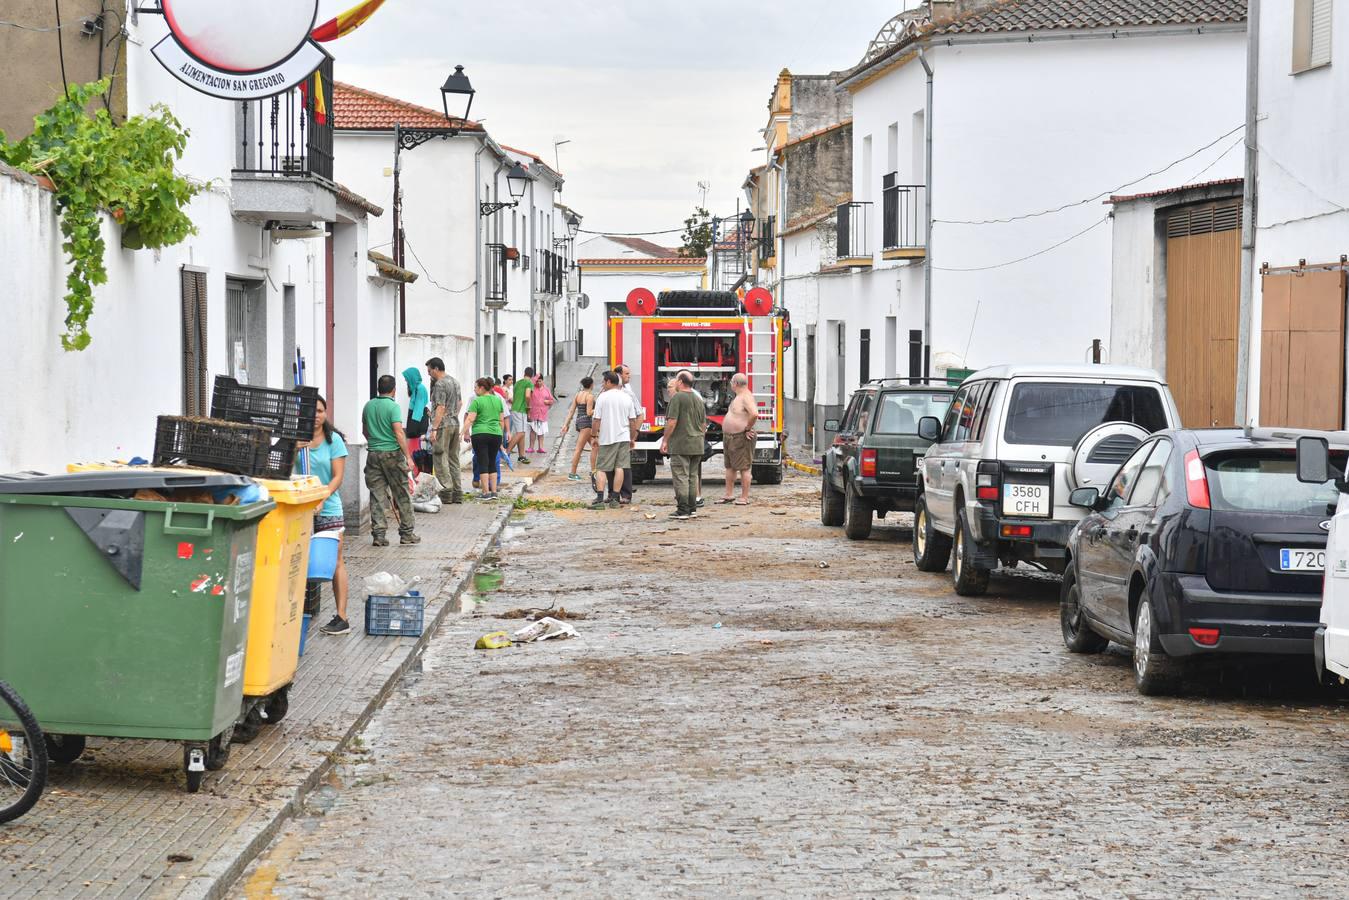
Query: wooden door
(1302, 349)
(1203, 287)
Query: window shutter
(1320, 32)
(1207, 218)
(194, 343)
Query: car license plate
(1294, 560)
(1025, 500)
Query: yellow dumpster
(281, 562)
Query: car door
(939, 464)
(972, 414)
(838, 451)
(1101, 575)
(1133, 527)
(851, 457)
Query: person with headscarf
(419, 410)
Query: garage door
(1302, 349)
(1203, 285)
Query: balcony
(854, 240)
(768, 242)
(553, 271)
(283, 161)
(903, 219)
(494, 277)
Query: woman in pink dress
(540, 400)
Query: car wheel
(931, 548)
(1154, 672)
(857, 515)
(969, 579)
(831, 503)
(1077, 634)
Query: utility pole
(1249, 195)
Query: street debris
(384, 584)
(545, 629)
(532, 613)
(823, 565)
(426, 496)
(497, 640)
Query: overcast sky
(654, 97)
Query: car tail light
(988, 481)
(1196, 481)
(1205, 637)
(1016, 531)
(868, 463)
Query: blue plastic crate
(397, 616)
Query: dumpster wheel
(247, 728)
(64, 749)
(194, 766)
(277, 705)
(218, 750)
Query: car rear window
(900, 412)
(1268, 483)
(1056, 415)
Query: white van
(1330, 643)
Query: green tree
(697, 233)
(96, 165)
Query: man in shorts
(615, 424)
(524, 388)
(738, 439)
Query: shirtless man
(738, 439)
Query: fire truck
(713, 334)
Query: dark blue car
(1205, 542)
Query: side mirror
(929, 428)
(1086, 498)
(831, 424)
(1313, 460)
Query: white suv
(1015, 443)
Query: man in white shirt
(615, 423)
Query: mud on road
(758, 706)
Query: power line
(1012, 262)
(1094, 197)
(43, 29)
(408, 244)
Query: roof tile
(358, 109)
(1041, 15)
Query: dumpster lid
(129, 479)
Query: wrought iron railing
(494, 278)
(289, 134)
(554, 271)
(768, 237)
(854, 242)
(903, 218)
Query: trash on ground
(426, 495)
(824, 565)
(778, 512)
(535, 613)
(384, 584)
(545, 629)
(497, 640)
(718, 625)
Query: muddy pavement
(757, 706)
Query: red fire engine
(713, 334)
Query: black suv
(871, 467)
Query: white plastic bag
(383, 584)
(542, 630)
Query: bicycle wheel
(23, 756)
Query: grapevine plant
(97, 165)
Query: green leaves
(96, 165)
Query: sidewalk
(109, 824)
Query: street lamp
(573, 225)
(410, 139)
(458, 84)
(747, 224)
(517, 182)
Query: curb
(221, 884)
(800, 467)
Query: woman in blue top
(328, 462)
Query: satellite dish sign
(240, 49)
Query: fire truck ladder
(762, 354)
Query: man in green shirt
(388, 462)
(685, 427)
(524, 388)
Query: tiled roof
(814, 134)
(691, 261)
(644, 246)
(1043, 15)
(357, 109)
(351, 198)
(534, 157)
(1221, 182)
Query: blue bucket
(304, 630)
(323, 549)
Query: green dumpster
(127, 618)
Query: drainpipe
(477, 264)
(1248, 211)
(927, 203)
(533, 305)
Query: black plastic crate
(398, 616)
(288, 414)
(224, 446)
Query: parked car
(1204, 543)
(1330, 640)
(1015, 443)
(871, 467)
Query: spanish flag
(346, 22)
(320, 98)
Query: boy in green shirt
(524, 388)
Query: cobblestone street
(757, 706)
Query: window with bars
(1312, 20)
